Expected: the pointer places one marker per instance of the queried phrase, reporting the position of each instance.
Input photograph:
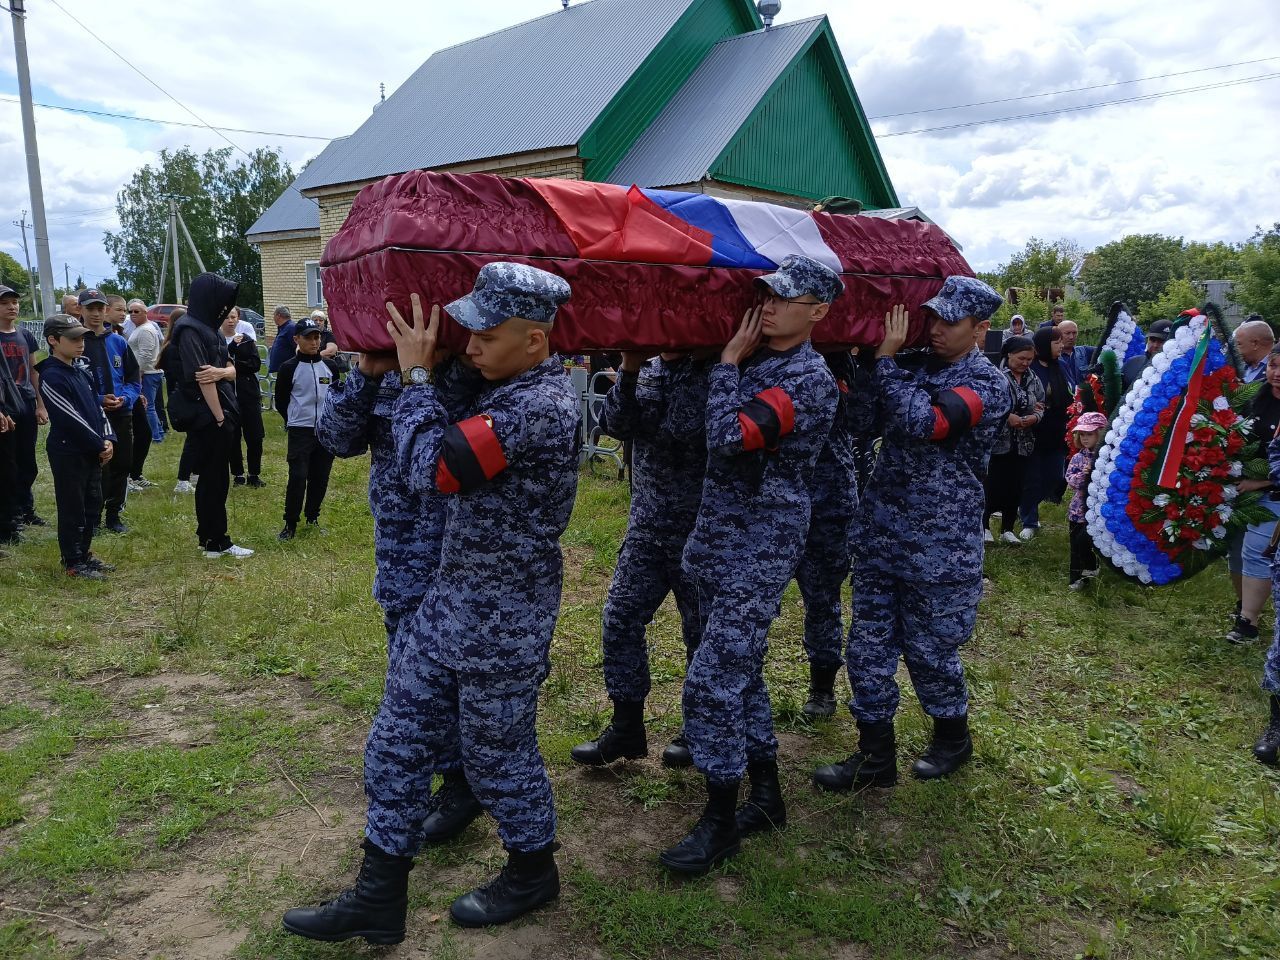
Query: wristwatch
(416, 377)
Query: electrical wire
(170, 123)
(1058, 93)
(1087, 106)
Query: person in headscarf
(1017, 327)
(1015, 443)
(1046, 469)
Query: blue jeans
(150, 387)
(1045, 480)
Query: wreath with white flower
(1163, 497)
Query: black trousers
(115, 475)
(141, 440)
(160, 411)
(1006, 477)
(211, 458)
(309, 466)
(11, 511)
(187, 462)
(252, 432)
(1083, 556)
(24, 459)
(77, 488)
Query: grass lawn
(180, 756)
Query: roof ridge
(774, 29)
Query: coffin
(650, 269)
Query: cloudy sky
(1204, 165)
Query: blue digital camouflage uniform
(662, 412)
(766, 425)
(1271, 668)
(407, 529)
(477, 649)
(917, 567)
(827, 549)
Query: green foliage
(1258, 288)
(1040, 265)
(1212, 261)
(1135, 269)
(220, 199)
(1178, 295)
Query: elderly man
(71, 305)
(1254, 339)
(282, 347)
(1074, 359)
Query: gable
(809, 136)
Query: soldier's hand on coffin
(633, 360)
(895, 332)
(415, 341)
(746, 340)
(376, 364)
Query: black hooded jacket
(199, 342)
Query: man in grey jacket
(301, 387)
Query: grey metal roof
(700, 120)
(536, 85)
(899, 213)
(293, 211)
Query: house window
(315, 286)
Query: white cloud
(1201, 165)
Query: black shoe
(254, 481)
(713, 839)
(676, 754)
(239, 481)
(623, 737)
(289, 532)
(375, 908)
(454, 807)
(822, 693)
(763, 809)
(114, 525)
(1242, 632)
(94, 563)
(1267, 749)
(82, 571)
(527, 881)
(875, 764)
(34, 520)
(949, 750)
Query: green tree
(14, 275)
(1135, 269)
(1041, 265)
(1213, 261)
(1177, 296)
(219, 200)
(1258, 288)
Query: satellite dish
(768, 9)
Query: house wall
(284, 276)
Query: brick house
(693, 95)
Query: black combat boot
(454, 806)
(676, 755)
(763, 809)
(822, 692)
(374, 908)
(1267, 749)
(527, 881)
(713, 839)
(623, 737)
(874, 765)
(949, 750)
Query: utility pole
(66, 273)
(18, 12)
(26, 253)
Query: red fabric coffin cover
(430, 233)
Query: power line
(170, 123)
(1086, 106)
(1057, 93)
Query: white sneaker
(1089, 573)
(1009, 537)
(184, 486)
(1077, 585)
(1029, 533)
(987, 537)
(134, 487)
(232, 551)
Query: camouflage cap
(962, 297)
(798, 275)
(506, 290)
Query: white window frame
(315, 284)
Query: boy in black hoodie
(301, 387)
(205, 405)
(80, 442)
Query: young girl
(1088, 437)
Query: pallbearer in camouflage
(824, 566)
(917, 566)
(476, 651)
(661, 408)
(769, 412)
